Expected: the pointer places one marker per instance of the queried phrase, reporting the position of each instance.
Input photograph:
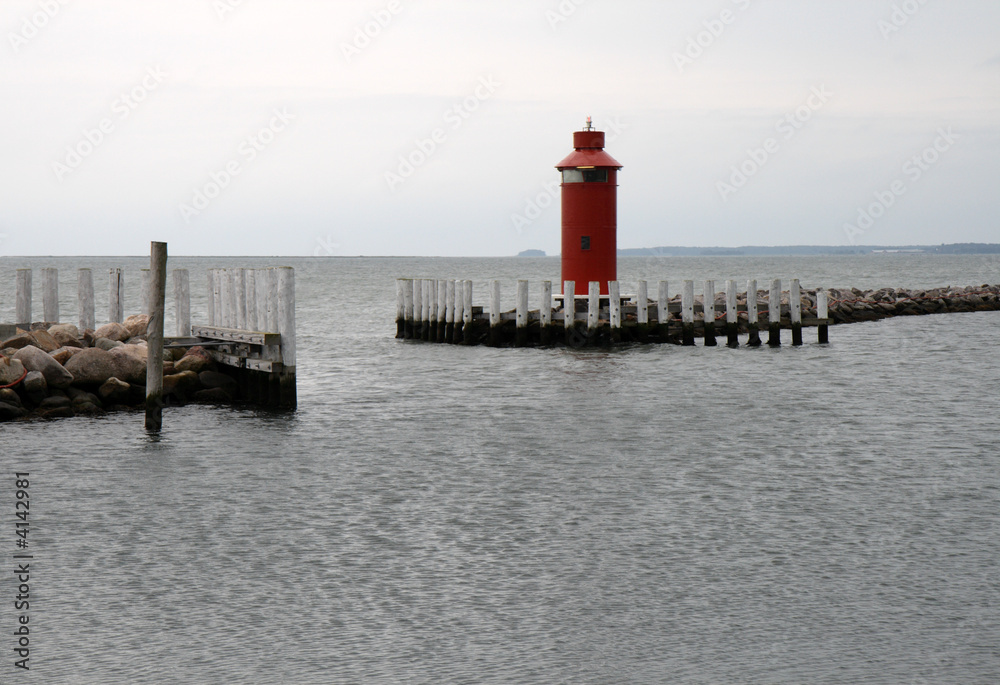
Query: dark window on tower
(585, 242)
(595, 175)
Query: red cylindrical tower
(589, 212)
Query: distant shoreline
(797, 250)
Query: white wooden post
(774, 314)
(467, 311)
(261, 280)
(210, 275)
(418, 308)
(753, 317)
(615, 309)
(50, 295)
(795, 311)
(545, 309)
(642, 304)
(593, 306)
(224, 310)
(822, 312)
(286, 327)
(663, 308)
(494, 336)
(687, 313)
(251, 298)
(156, 292)
(85, 299)
(116, 296)
(569, 304)
(708, 307)
(182, 302)
(241, 298)
(23, 313)
(449, 314)
(429, 293)
(442, 307)
(732, 315)
(408, 308)
(521, 315)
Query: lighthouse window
(585, 242)
(585, 175)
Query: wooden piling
(642, 311)
(408, 308)
(85, 299)
(441, 310)
(224, 312)
(286, 327)
(753, 317)
(449, 311)
(418, 309)
(795, 311)
(467, 332)
(732, 315)
(116, 296)
(241, 298)
(822, 312)
(251, 297)
(432, 285)
(687, 314)
(210, 277)
(521, 315)
(154, 342)
(430, 297)
(261, 282)
(23, 312)
(495, 318)
(663, 311)
(182, 302)
(708, 307)
(615, 310)
(545, 314)
(456, 337)
(50, 295)
(593, 309)
(569, 311)
(274, 351)
(774, 314)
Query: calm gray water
(438, 514)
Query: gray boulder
(11, 371)
(113, 331)
(35, 386)
(34, 359)
(91, 366)
(107, 343)
(114, 391)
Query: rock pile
(56, 371)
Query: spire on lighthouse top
(590, 125)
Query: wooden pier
(442, 311)
(249, 331)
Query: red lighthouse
(589, 212)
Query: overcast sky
(431, 127)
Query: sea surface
(442, 514)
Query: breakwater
(244, 355)
(443, 311)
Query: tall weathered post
(154, 336)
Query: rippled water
(444, 514)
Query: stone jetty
(442, 311)
(55, 370)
